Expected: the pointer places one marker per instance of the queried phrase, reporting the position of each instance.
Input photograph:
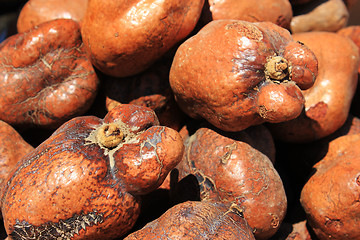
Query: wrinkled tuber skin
(12, 148)
(197, 220)
(275, 11)
(331, 196)
(128, 36)
(352, 32)
(329, 16)
(35, 12)
(236, 74)
(46, 77)
(151, 89)
(328, 102)
(83, 182)
(232, 171)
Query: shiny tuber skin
(236, 74)
(129, 36)
(45, 76)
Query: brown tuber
(236, 74)
(84, 182)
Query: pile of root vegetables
(193, 119)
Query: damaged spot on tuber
(110, 135)
(275, 221)
(277, 69)
(64, 229)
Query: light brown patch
(247, 30)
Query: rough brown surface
(197, 220)
(46, 77)
(229, 72)
(35, 12)
(275, 11)
(234, 171)
(331, 196)
(128, 36)
(76, 185)
(329, 16)
(327, 103)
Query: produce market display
(194, 119)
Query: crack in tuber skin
(63, 230)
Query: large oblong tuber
(84, 181)
(36, 12)
(124, 38)
(275, 11)
(233, 170)
(45, 76)
(329, 16)
(197, 220)
(236, 74)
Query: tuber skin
(84, 182)
(46, 77)
(330, 198)
(197, 220)
(129, 36)
(352, 32)
(293, 231)
(329, 16)
(232, 170)
(278, 12)
(35, 12)
(230, 71)
(328, 102)
(12, 148)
